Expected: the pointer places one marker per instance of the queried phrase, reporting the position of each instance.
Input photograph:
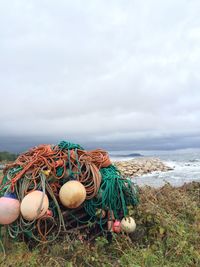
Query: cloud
(117, 72)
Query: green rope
(4, 181)
(67, 145)
(8, 177)
(115, 194)
(60, 170)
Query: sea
(185, 164)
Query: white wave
(185, 164)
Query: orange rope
(99, 157)
(84, 164)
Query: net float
(49, 213)
(72, 194)
(34, 205)
(9, 208)
(128, 225)
(117, 226)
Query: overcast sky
(117, 74)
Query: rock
(140, 166)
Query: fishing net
(46, 168)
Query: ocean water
(185, 163)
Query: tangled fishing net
(46, 169)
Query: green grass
(167, 234)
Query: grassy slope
(168, 230)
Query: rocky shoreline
(140, 166)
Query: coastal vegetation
(167, 234)
(7, 156)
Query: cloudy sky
(120, 74)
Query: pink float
(9, 209)
(117, 226)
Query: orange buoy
(30, 206)
(9, 209)
(72, 194)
